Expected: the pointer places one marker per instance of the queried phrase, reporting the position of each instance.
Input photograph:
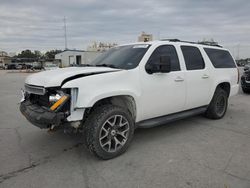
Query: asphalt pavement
(195, 152)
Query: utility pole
(65, 33)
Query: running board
(170, 118)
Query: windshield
(122, 57)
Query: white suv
(129, 86)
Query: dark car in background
(27, 66)
(11, 66)
(19, 66)
(245, 80)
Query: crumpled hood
(54, 78)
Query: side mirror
(163, 65)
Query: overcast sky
(38, 24)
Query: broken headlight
(54, 98)
(57, 100)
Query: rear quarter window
(220, 58)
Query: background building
(145, 37)
(75, 57)
(100, 47)
(4, 59)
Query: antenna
(65, 33)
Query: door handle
(205, 76)
(179, 79)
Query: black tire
(218, 106)
(95, 126)
(245, 90)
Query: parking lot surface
(194, 152)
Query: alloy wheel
(114, 133)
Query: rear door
(198, 78)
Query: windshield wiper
(106, 65)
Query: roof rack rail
(209, 43)
(202, 43)
(171, 40)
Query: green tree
(51, 54)
(38, 54)
(29, 54)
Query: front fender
(96, 87)
(91, 100)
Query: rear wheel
(218, 106)
(109, 130)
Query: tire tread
(92, 124)
(210, 113)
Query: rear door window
(220, 58)
(193, 58)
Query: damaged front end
(46, 108)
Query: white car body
(154, 95)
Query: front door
(163, 93)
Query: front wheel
(218, 106)
(108, 131)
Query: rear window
(220, 58)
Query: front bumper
(41, 117)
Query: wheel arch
(124, 101)
(212, 110)
(225, 86)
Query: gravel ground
(195, 152)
